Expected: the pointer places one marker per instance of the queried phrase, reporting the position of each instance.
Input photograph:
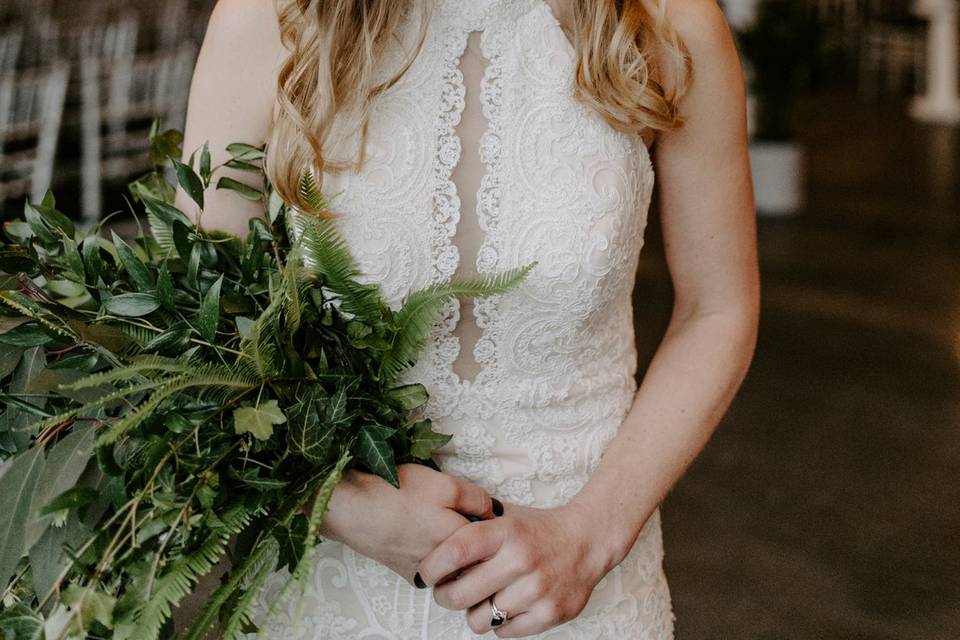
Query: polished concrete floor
(827, 505)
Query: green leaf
(292, 541)
(165, 288)
(65, 462)
(244, 152)
(409, 396)
(424, 441)
(18, 484)
(205, 171)
(209, 316)
(165, 144)
(131, 305)
(258, 421)
(374, 450)
(19, 622)
(192, 183)
(139, 274)
(245, 191)
(90, 605)
(70, 499)
(308, 434)
(26, 336)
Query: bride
(473, 136)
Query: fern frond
(136, 367)
(260, 356)
(184, 572)
(421, 308)
(203, 376)
(304, 569)
(311, 194)
(264, 553)
(100, 402)
(326, 256)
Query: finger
(475, 584)
(471, 500)
(516, 598)
(469, 544)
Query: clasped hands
(541, 565)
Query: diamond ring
(499, 616)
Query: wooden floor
(827, 506)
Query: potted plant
(782, 49)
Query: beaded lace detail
(556, 355)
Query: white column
(941, 103)
(740, 13)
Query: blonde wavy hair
(631, 67)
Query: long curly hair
(631, 67)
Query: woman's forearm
(689, 385)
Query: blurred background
(827, 506)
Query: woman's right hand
(399, 527)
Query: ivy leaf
(245, 191)
(374, 450)
(131, 305)
(424, 441)
(293, 540)
(18, 622)
(258, 421)
(309, 435)
(409, 396)
(209, 316)
(190, 182)
(139, 274)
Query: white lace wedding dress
(480, 159)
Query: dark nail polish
(417, 580)
(473, 518)
(497, 507)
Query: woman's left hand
(541, 565)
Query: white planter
(778, 177)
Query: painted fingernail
(473, 518)
(417, 580)
(497, 507)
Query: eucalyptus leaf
(132, 305)
(18, 484)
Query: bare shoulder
(702, 25)
(248, 29)
(704, 30)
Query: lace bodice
(480, 159)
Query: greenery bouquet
(187, 397)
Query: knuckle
(461, 550)
(555, 613)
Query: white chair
(11, 42)
(31, 107)
(119, 106)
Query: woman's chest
(479, 158)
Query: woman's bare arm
(709, 228)
(232, 99)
